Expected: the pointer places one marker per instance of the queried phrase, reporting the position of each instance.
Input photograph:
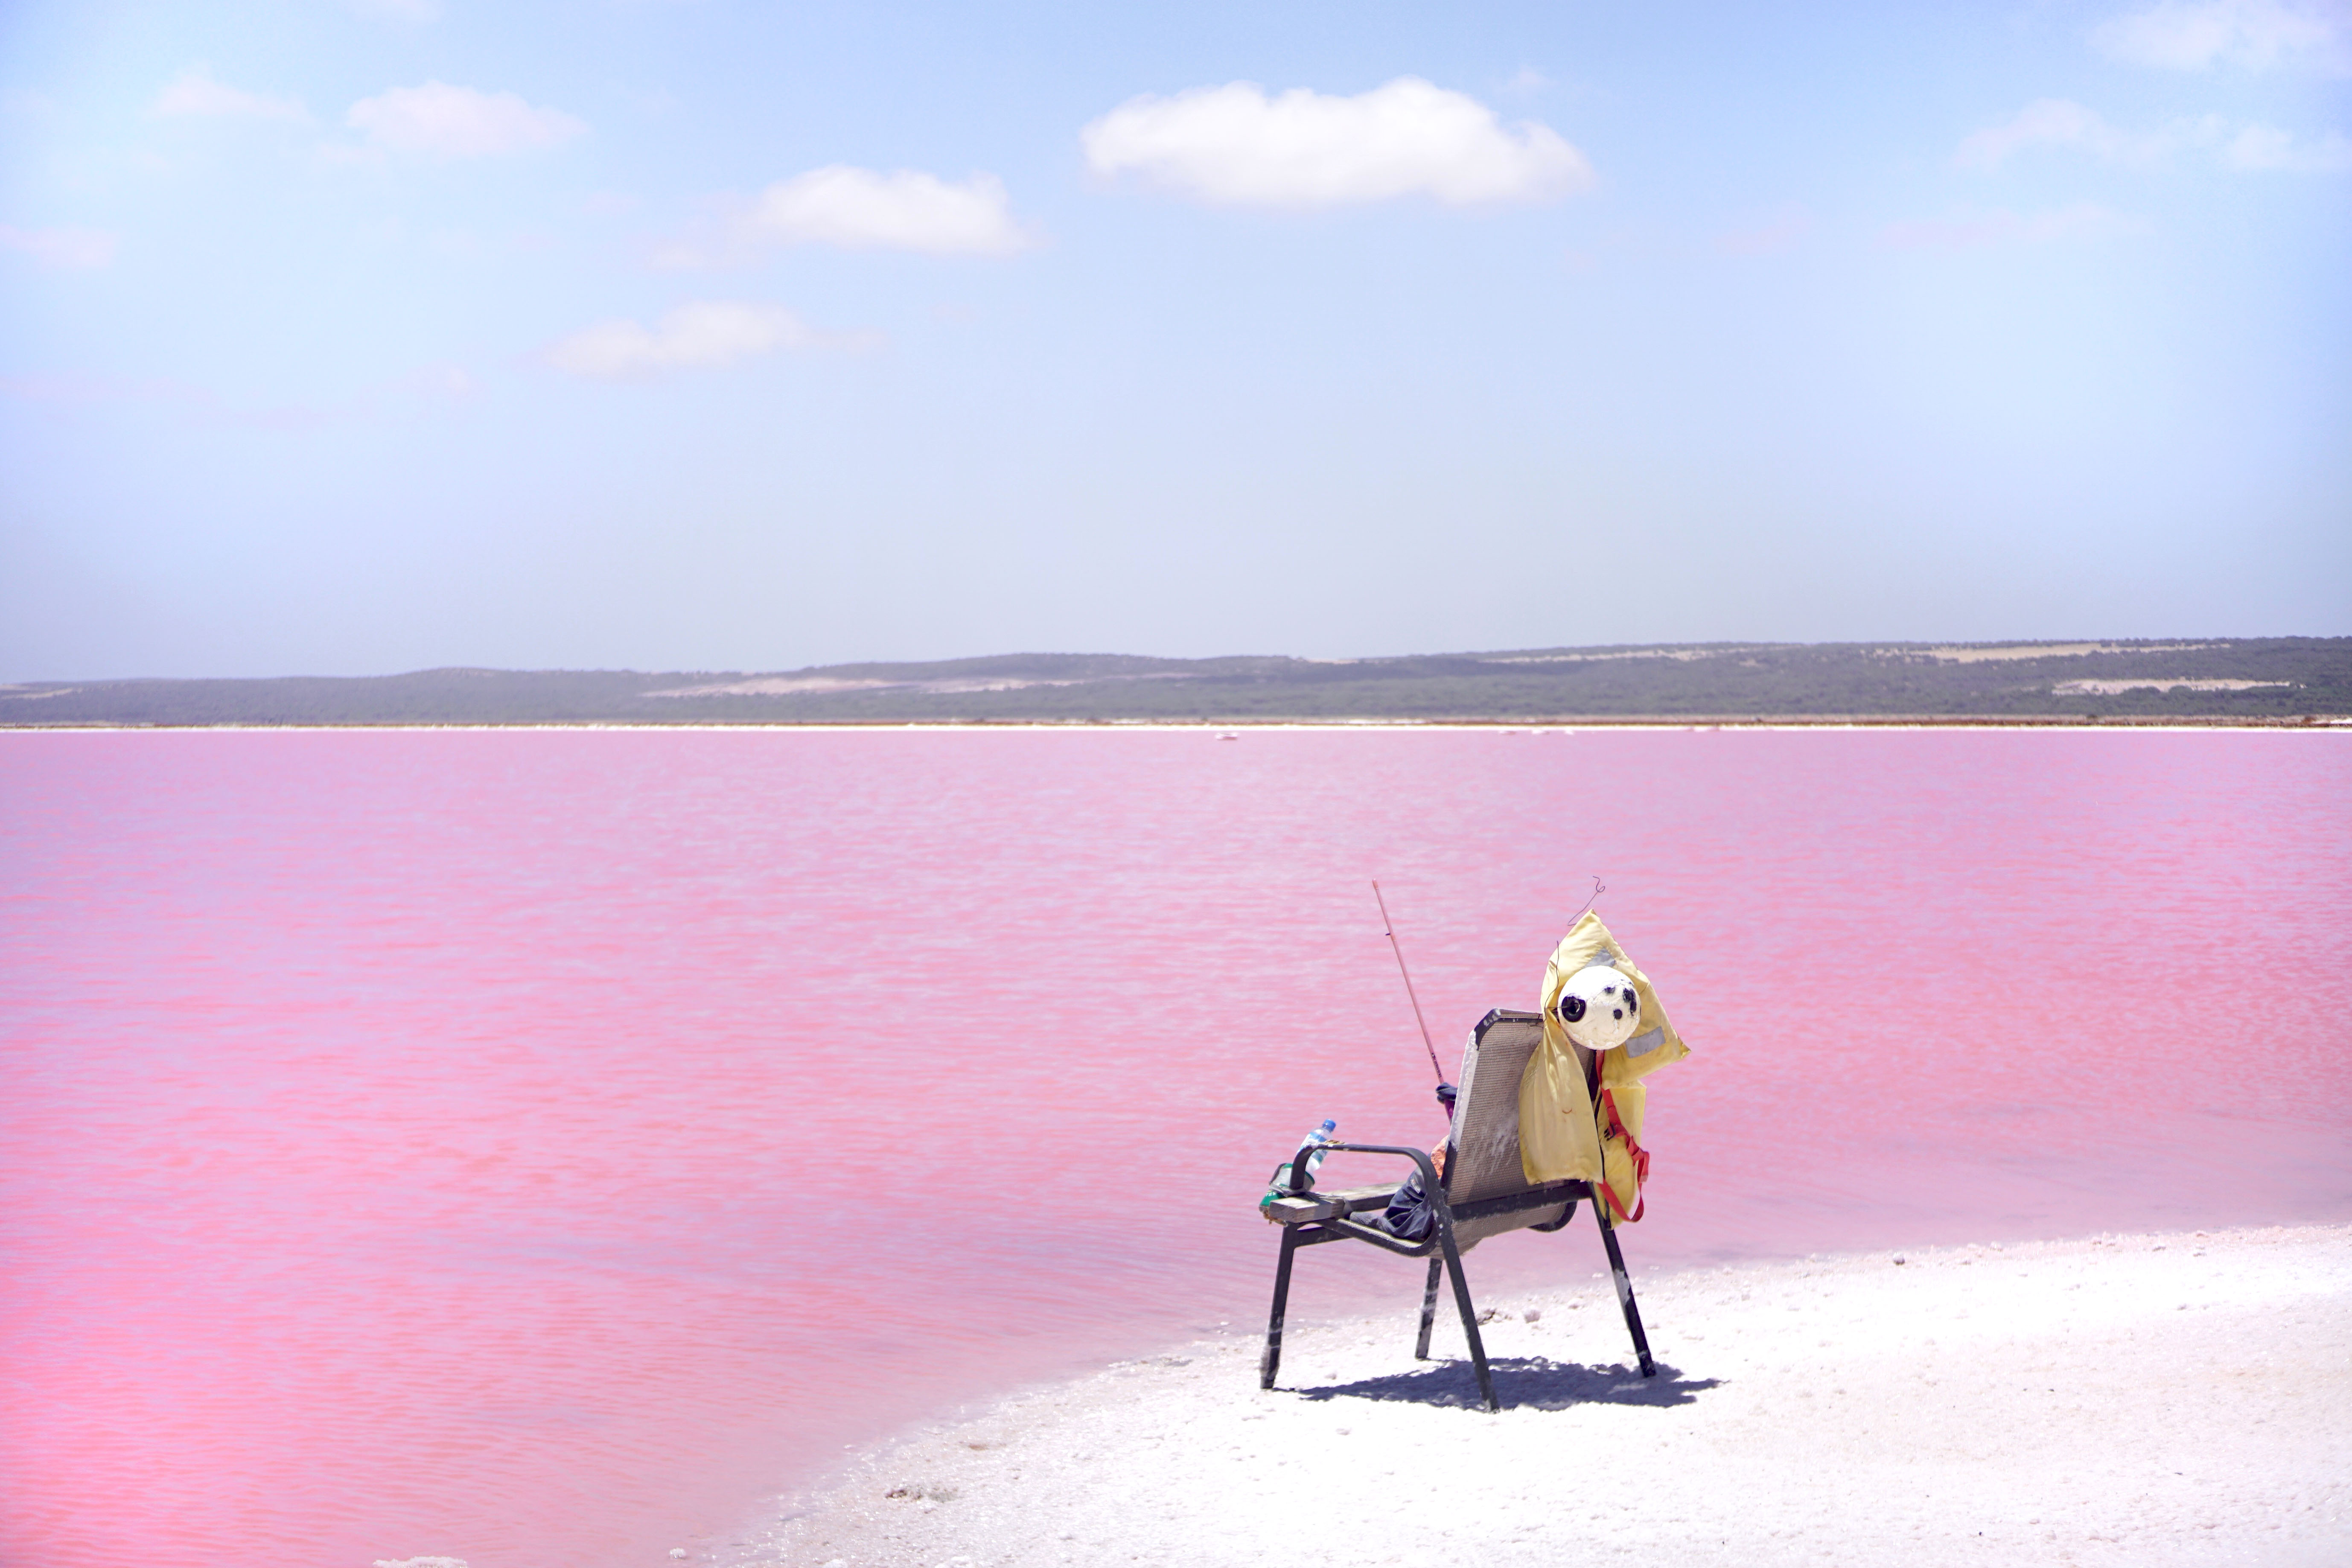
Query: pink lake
(538, 1147)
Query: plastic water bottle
(1278, 1184)
(1314, 1140)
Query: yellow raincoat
(1564, 1136)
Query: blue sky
(351, 338)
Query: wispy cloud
(703, 335)
(1234, 145)
(2266, 147)
(2051, 122)
(196, 93)
(862, 209)
(2257, 35)
(445, 122)
(1779, 233)
(2061, 122)
(63, 247)
(1978, 230)
(446, 381)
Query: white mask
(1601, 1008)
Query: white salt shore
(2138, 1400)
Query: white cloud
(446, 380)
(457, 121)
(1973, 231)
(2060, 123)
(2048, 121)
(1234, 145)
(702, 335)
(65, 248)
(2191, 34)
(2264, 147)
(859, 209)
(195, 92)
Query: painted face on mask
(1601, 1008)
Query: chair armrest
(1308, 1207)
(1301, 1203)
(1419, 1157)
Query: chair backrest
(1483, 1150)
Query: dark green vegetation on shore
(2266, 679)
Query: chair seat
(1314, 1206)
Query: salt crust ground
(2155, 1400)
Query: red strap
(1640, 1164)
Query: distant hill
(2265, 679)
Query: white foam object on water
(420, 1563)
(1600, 1007)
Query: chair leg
(1271, 1362)
(1469, 1313)
(1624, 1287)
(1428, 1309)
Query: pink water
(535, 1147)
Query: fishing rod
(1388, 929)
